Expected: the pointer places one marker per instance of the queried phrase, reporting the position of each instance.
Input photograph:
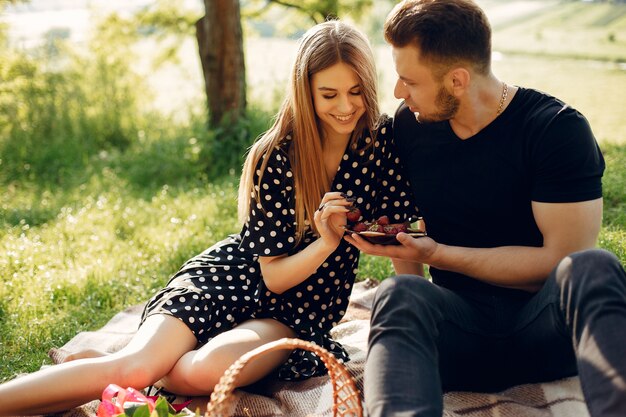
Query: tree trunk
(220, 44)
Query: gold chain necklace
(505, 90)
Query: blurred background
(121, 145)
(567, 48)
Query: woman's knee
(205, 370)
(135, 371)
(208, 364)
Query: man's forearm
(519, 267)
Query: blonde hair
(321, 47)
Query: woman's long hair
(321, 47)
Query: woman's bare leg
(84, 354)
(197, 372)
(152, 352)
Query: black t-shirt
(477, 192)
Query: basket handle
(348, 404)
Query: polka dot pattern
(222, 287)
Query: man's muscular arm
(566, 228)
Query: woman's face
(337, 100)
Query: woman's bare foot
(84, 354)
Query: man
(508, 180)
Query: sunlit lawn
(78, 256)
(73, 256)
(574, 29)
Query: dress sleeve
(394, 197)
(269, 228)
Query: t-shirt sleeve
(394, 197)
(568, 161)
(269, 229)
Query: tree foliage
(169, 24)
(57, 111)
(316, 10)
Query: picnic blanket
(313, 397)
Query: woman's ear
(457, 80)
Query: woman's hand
(330, 218)
(281, 273)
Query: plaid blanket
(313, 397)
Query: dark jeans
(426, 339)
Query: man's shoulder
(534, 103)
(536, 113)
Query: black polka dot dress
(223, 287)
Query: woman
(289, 273)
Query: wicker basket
(346, 399)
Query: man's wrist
(436, 257)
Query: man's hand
(420, 250)
(566, 228)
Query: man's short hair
(446, 32)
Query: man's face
(423, 94)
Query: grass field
(72, 255)
(574, 29)
(71, 259)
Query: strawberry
(390, 229)
(383, 220)
(360, 227)
(353, 215)
(395, 228)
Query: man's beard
(447, 104)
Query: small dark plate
(379, 238)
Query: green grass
(93, 220)
(566, 29)
(613, 235)
(94, 251)
(71, 259)
(105, 235)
